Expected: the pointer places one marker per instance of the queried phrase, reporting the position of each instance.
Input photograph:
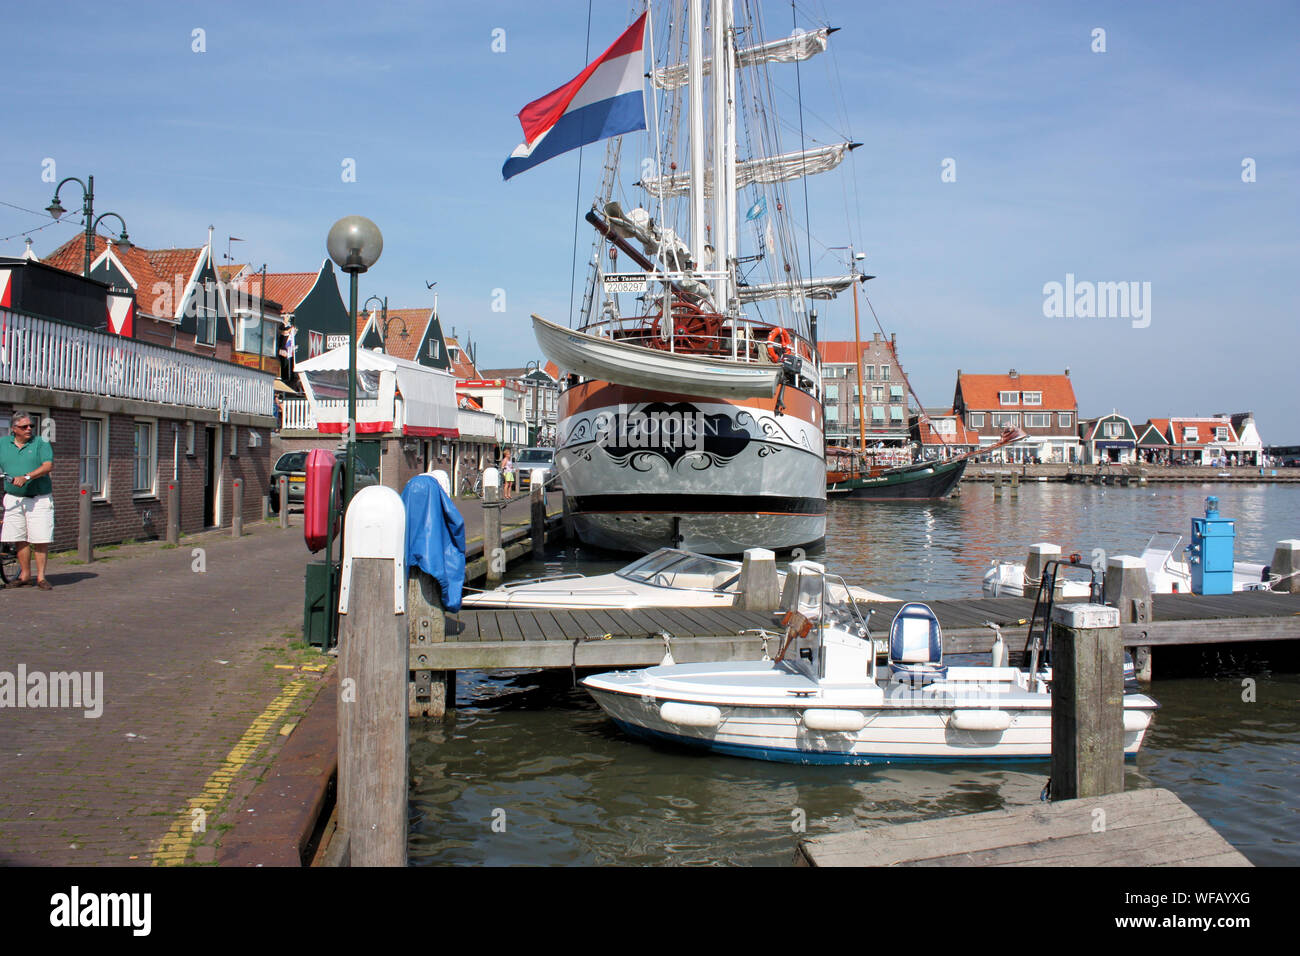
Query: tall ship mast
(692, 413)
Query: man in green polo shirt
(27, 460)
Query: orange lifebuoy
(780, 339)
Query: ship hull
(643, 469)
(918, 482)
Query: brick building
(1043, 406)
(883, 395)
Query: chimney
(1067, 371)
(1012, 374)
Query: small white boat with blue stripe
(824, 699)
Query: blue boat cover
(435, 537)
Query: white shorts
(29, 519)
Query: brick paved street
(198, 680)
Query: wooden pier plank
(1137, 828)
(550, 627)
(527, 623)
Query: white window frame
(1065, 419)
(974, 419)
(832, 413)
(868, 373)
(1043, 420)
(152, 454)
(1191, 434)
(1008, 418)
(884, 373)
(1031, 398)
(1114, 429)
(101, 493)
(1220, 433)
(832, 392)
(1004, 400)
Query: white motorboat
(824, 700)
(668, 577)
(1165, 572)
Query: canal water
(529, 771)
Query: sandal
(44, 585)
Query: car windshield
(669, 568)
(536, 456)
(292, 461)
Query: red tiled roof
(551, 369)
(146, 267)
(416, 322)
(980, 392)
(286, 288)
(461, 366)
(1204, 430)
(963, 435)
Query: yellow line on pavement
(174, 847)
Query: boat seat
(916, 646)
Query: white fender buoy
(690, 715)
(985, 720)
(834, 721)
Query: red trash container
(316, 498)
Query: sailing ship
(694, 418)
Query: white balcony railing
(46, 354)
(297, 414)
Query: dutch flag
(606, 99)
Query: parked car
(533, 459)
(294, 465)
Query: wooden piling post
(374, 649)
(1087, 701)
(284, 501)
(85, 546)
(1128, 588)
(237, 518)
(492, 553)
(997, 485)
(1015, 485)
(759, 588)
(427, 626)
(537, 506)
(1036, 564)
(1286, 562)
(173, 512)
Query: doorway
(210, 463)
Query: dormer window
(434, 351)
(1031, 398)
(1221, 434)
(1190, 434)
(1009, 398)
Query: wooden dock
(1136, 828)
(519, 638)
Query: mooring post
(1015, 485)
(428, 696)
(537, 505)
(1087, 701)
(1127, 588)
(1036, 564)
(85, 548)
(374, 662)
(492, 553)
(759, 588)
(237, 518)
(1286, 564)
(997, 485)
(284, 501)
(173, 512)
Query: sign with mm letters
(625, 282)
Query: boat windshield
(670, 568)
(825, 598)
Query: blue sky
(1117, 166)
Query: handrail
(45, 353)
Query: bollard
(1015, 485)
(997, 485)
(237, 518)
(1036, 563)
(1087, 701)
(374, 662)
(492, 534)
(284, 501)
(537, 494)
(427, 625)
(266, 507)
(1127, 588)
(759, 588)
(85, 548)
(1286, 565)
(173, 512)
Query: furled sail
(819, 287)
(656, 240)
(770, 169)
(789, 49)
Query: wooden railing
(46, 354)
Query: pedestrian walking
(508, 475)
(27, 459)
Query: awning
(428, 395)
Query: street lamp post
(56, 210)
(354, 243)
(529, 369)
(385, 321)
